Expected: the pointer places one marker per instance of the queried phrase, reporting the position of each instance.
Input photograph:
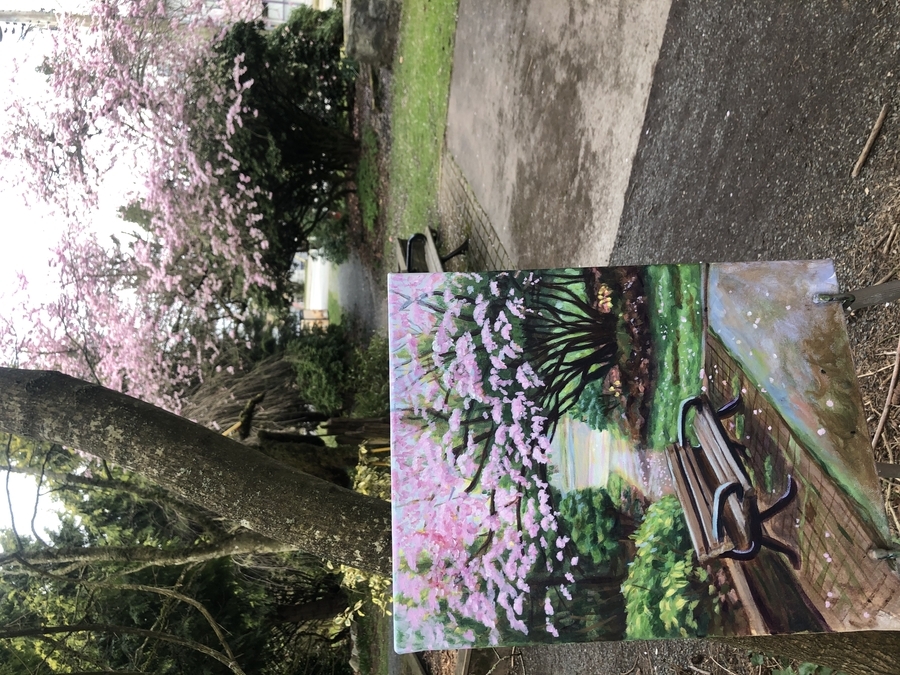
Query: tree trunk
(321, 609)
(201, 466)
(333, 464)
(859, 653)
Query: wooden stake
(869, 143)
(234, 427)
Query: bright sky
(30, 233)
(28, 237)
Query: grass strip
(421, 90)
(367, 179)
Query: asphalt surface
(756, 116)
(546, 105)
(360, 297)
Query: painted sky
(796, 350)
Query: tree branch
(40, 631)
(238, 544)
(152, 494)
(165, 592)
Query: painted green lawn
(421, 90)
(676, 324)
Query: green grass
(421, 90)
(335, 311)
(367, 179)
(374, 639)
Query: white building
(313, 273)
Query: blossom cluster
(473, 510)
(136, 90)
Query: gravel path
(361, 297)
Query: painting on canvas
(634, 452)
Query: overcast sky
(28, 236)
(30, 233)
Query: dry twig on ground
(870, 142)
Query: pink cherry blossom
(136, 90)
(475, 518)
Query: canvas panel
(635, 452)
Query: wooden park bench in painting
(720, 503)
(419, 253)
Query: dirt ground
(752, 119)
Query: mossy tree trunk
(200, 465)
